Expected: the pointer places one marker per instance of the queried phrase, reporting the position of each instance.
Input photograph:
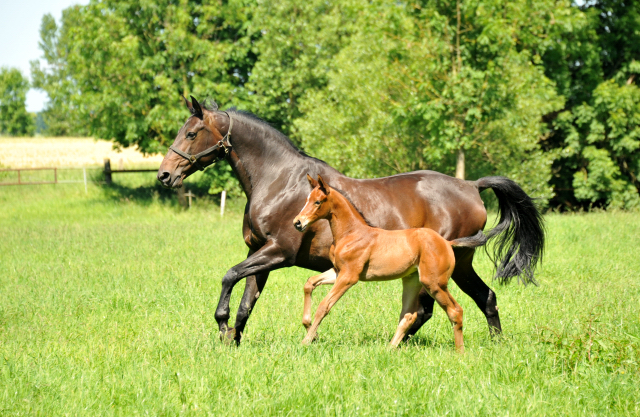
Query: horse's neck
(259, 156)
(344, 219)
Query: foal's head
(317, 206)
(201, 131)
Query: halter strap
(222, 143)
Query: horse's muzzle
(164, 177)
(168, 181)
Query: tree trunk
(460, 164)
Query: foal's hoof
(228, 337)
(307, 341)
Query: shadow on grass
(146, 192)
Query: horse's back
(450, 206)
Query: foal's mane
(346, 197)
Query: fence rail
(107, 176)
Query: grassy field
(107, 309)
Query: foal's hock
(420, 257)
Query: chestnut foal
(421, 257)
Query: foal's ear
(323, 185)
(312, 182)
(197, 110)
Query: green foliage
(602, 142)
(420, 93)
(14, 118)
(295, 44)
(129, 61)
(596, 136)
(543, 92)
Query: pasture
(107, 308)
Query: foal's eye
(317, 203)
(191, 135)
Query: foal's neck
(343, 218)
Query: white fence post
(223, 199)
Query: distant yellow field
(69, 153)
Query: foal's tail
(479, 239)
(521, 228)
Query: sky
(20, 34)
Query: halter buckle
(192, 159)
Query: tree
(120, 66)
(14, 118)
(441, 80)
(594, 63)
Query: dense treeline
(544, 92)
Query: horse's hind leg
(425, 312)
(471, 284)
(411, 287)
(326, 278)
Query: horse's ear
(189, 106)
(197, 110)
(323, 185)
(312, 182)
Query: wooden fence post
(223, 199)
(181, 197)
(107, 171)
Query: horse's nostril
(163, 176)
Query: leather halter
(223, 143)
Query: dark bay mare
(272, 173)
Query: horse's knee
(229, 279)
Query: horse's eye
(191, 135)
(317, 203)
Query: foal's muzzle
(300, 227)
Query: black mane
(252, 117)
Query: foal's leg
(411, 287)
(344, 281)
(326, 278)
(437, 288)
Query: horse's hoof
(228, 337)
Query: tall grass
(107, 308)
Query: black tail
(521, 228)
(478, 239)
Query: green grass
(107, 307)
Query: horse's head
(199, 143)
(317, 207)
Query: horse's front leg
(266, 259)
(252, 290)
